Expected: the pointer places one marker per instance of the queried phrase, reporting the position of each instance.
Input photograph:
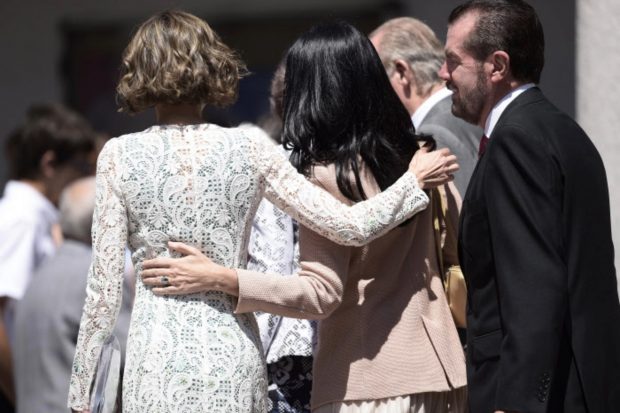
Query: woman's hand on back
(434, 168)
(193, 273)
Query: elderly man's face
(464, 75)
(403, 90)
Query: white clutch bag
(103, 395)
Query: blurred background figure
(412, 55)
(47, 318)
(53, 147)
(274, 249)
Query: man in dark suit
(535, 235)
(412, 55)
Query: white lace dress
(201, 185)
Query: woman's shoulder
(261, 149)
(128, 138)
(324, 175)
(134, 143)
(249, 136)
(254, 133)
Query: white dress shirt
(26, 219)
(422, 111)
(501, 106)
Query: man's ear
(500, 63)
(403, 72)
(47, 164)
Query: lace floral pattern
(200, 185)
(274, 249)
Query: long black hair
(339, 107)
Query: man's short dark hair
(508, 25)
(47, 127)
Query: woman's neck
(181, 114)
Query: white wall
(598, 90)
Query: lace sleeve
(104, 286)
(316, 209)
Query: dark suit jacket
(454, 133)
(536, 249)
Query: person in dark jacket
(535, 234)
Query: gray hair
(77, 204)
(411, 40)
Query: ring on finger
(164, 281)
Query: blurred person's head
(272, 123)
(100, 140)
(175, 58)
(77, 204)
(339, 107)
(412, 56)
(492, 47)
(276, 91)
(53, 147)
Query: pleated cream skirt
(454, 401)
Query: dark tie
(483, 145)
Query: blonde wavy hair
(176, 58)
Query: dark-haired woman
(387, 341)
(186, 180)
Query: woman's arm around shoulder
(348, 225)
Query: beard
(467, 104)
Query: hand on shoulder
(433, 168)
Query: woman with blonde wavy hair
(194, 182)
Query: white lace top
(200, 184)
(274, 249)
